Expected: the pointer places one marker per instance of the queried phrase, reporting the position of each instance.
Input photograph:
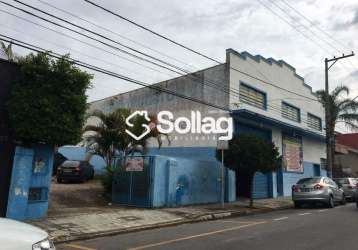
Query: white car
(15, 235)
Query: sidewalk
(76, 223)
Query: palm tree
(108, 138)
(7, 50)
(342, 110)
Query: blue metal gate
(132, 181)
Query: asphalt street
(296, 229)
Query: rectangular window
(252, 96)
(323, 163)
(314, 122)
(290, 112)
(37, 194)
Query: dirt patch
(76, 196)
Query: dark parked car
(75, 171)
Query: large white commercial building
(265, 97)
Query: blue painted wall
(20, 183)
(207, 153)
(180, 181)
(79, 153)
(290, 179)
(32, 169)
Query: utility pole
(222, 145)
(330, 134)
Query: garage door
(261, 186)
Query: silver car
(349, 186)
(317, 190)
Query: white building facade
(265, 97)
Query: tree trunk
(251, 191)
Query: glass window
(331, 182)
(290, 112)
(71, 164)
(37, 194)
(252, 96)
(309, 180)
(342, 181)
(314, 122)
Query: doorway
(261, 181)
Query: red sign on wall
(292, 154)
(134, 164)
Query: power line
(287, 22)
(273, 107)
(294, 27)
(107, 72)
(100, 35)
(92, 38)
(315, 25)
(78, 40)
(87, 22)
(71, 49)
(153, 32)
(192, 50)
(123, 51)
(308, 28)
(318, 28)
(149, 60)
(113, 32)
(224, 90)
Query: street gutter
(194, 219)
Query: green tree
(248, 154)
(342, 110)
(108, 138)
(48, 102)
(8, 52)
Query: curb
(200, 218)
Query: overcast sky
(209, 26)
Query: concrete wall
(198, 85)
(279, 73)
(32, 169)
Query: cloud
(354, 74)
(209, 26)
(355, 19)
(351, 22)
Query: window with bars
(252, 96)
(323, 163)
(290, 112)
(314, 122)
